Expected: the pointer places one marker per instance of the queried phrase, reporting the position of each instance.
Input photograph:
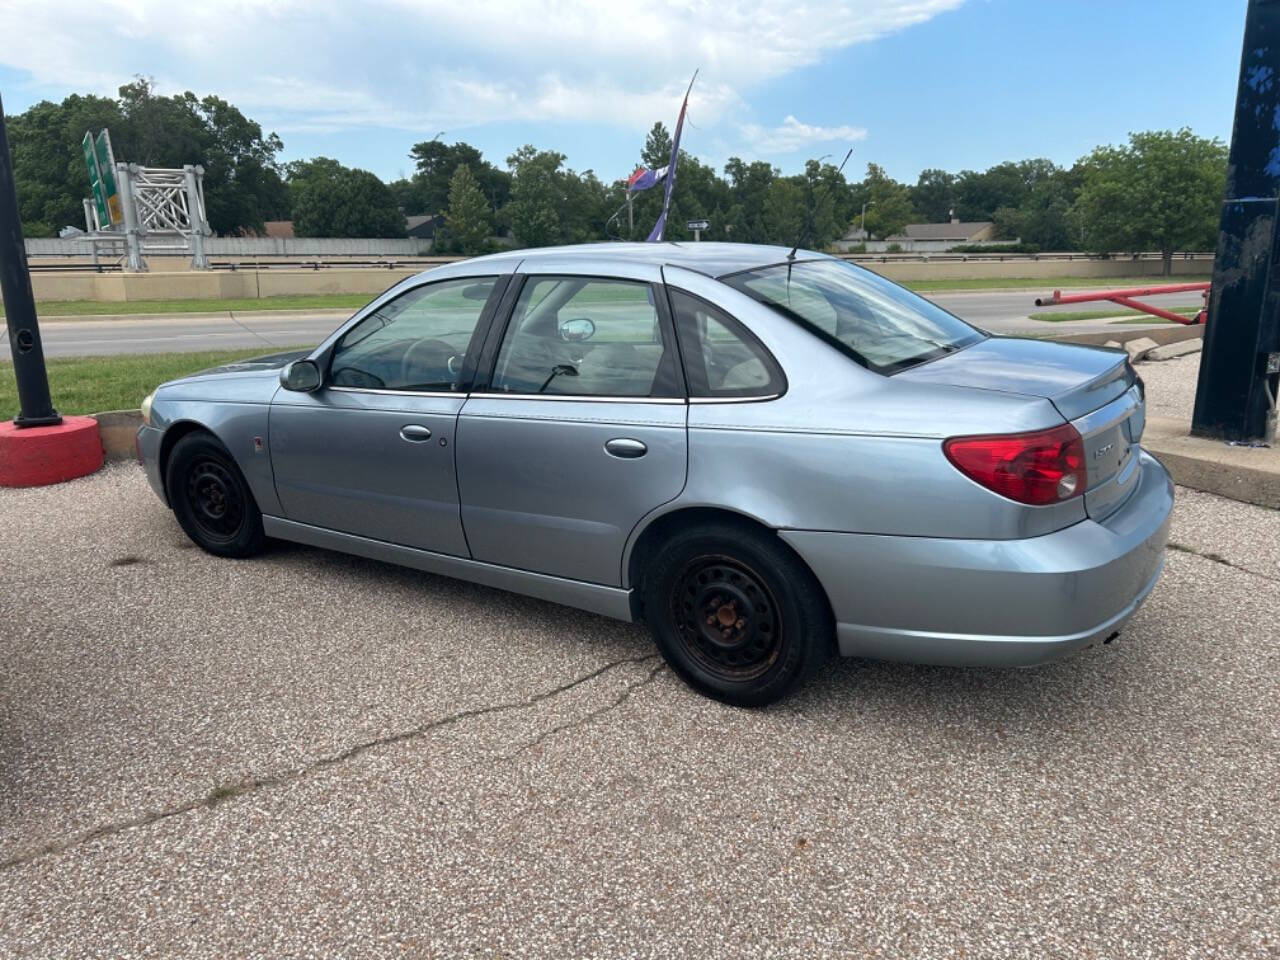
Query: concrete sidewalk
(1250, 474)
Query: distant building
(423, 227)
(279, 229)
(927, 237)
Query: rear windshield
(876, 322)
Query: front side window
(414, 342)
(873, 320)
(721, 359)
(585, 337)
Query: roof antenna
(807, 226)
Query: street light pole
(35, 406)
(862, 225)
(1236, 394)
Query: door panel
(357, 462)
(541, 492)
(371, 452)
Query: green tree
(469, 219)
(330, 200)
(889, 207)
(538, 200)
(748, 190)
(437, 162)
(242, 182)
(933, 196)
(1161, 191)
(48, 164)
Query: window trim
(466, 377)
(487, 362)
(743, 332)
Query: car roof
(713, 259)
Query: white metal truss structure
(163, 204)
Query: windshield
(878, 323)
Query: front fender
(242, 428)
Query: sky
(908, 84)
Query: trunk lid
(1094, 388)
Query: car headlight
(146, 407)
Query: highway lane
(1000, 311)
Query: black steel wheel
(736, 613)
(210, 498)
(727, 618)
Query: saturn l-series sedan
(764, 454)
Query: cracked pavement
(310, 754)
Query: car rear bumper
(147, 446)
(993, 602)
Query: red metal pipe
(1058, 298)
(1156, 311)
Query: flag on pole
(661, 225)
(643, 179)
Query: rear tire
(211, 499)
(736, 613)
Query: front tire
(737, 614)
(211, 499)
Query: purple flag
(643, 179)
(661, 225)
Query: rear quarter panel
(848, 450)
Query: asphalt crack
(589, 718)
(228, 791)
(1220, 559)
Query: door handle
(625, 448)
(415, 432)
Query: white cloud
(329, 65)
(793, 135)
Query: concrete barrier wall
(251, 284)
(212, 285)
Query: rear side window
(582, 336)
(721, 357)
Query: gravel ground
(1171, 386)
(313, 755)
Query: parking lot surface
(313, 755)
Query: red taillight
(1037, 468)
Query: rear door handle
(415, 432)
(625, 448)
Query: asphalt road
(1000, 311)
(307, 754)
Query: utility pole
(1239, 368)
(35, 406)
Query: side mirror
(580, 328)
(301, 375)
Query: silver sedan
(767, 455)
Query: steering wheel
(438, 348)
(354, 377)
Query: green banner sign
(100, 161)
(95, 181)
(107, 175)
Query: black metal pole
(35, 407)
(1244, 306)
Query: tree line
(1161, 190)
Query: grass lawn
(95, 384)
(1066, 316)
(1046, 283)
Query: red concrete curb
(37, 456)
